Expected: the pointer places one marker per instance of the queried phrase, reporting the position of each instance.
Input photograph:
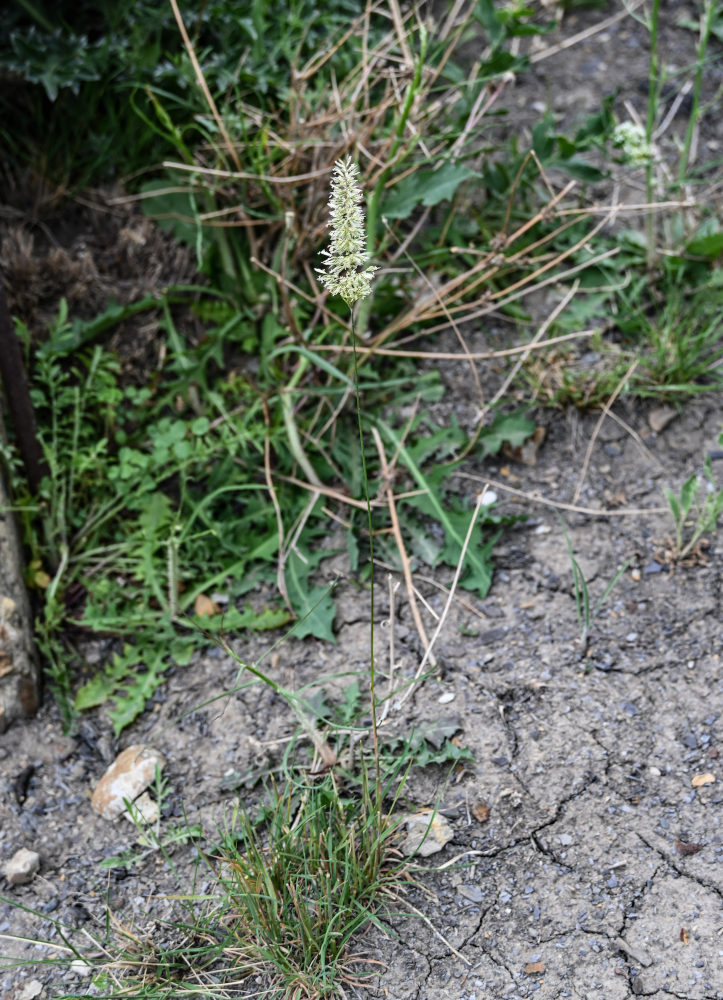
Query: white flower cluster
(630, 138)
(348, 272)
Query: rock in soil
(21, 867)
(129, 775)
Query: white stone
(80, 967)
(425, 835)
(144, 809)
(21, 867)
(33, 988)
(129, 775)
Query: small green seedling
(151, 837)
(697, 513)
(587, 613)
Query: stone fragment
(660, 416)
(425, 835)
(145, 809)
(81, 967)
(130, 774)
(33, 988)
(702, 779)
(21, 867)
(471, 892)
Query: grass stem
(372, 677)
(706, 28)
(654, 82)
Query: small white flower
(348, 272)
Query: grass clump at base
(293, 890)
(295, 900)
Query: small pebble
(80, 968)
(21, 867)
(144, 809)
(425, 834)
(471, 892)
(33, 988)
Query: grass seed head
(348, 272)
(632, 140)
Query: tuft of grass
(298, 895)
(695, 509)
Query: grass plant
(587, 612)
(695, 510)
(293, 893)
(299, 900)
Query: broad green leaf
(707, 246)
(513, 429)
(173, 210)
(131, 699)
(314, 606)
(437, 731)
(97, 691)
(577, 168)
(688, 493)
(425, 187)
(156, 514)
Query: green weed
(100, 66)
(695, 510)
(587, 612)
(145, 515)
(131, 508)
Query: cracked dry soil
(599, 872)
(588, 861)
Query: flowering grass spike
(631, 139)
(348, 272)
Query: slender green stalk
(695, 109)
(372, 676)
(653, 96)
(348, 273)
(375, 200)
